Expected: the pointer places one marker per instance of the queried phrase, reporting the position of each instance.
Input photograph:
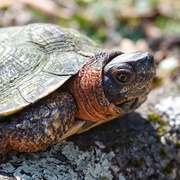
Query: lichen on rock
(62, 161)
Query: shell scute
(37, 59)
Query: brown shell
(37, 59)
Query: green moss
(163, 152)
(178, 144)
(156, 119)
(169, 167)
(158, 138)
(161, 129)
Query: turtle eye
(122, 77)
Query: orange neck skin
(87, 89)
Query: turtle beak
(128, 104)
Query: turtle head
(127, 79)
(111, 84)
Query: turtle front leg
(39, 125)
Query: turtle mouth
(130, 102)
(134, 103)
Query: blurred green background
(98, 18)
(148, 25)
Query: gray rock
(140, 145)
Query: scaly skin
(89, 94)
(38, 126)
(47, 121)
(88, 90)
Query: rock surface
(141, 145)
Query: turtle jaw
(131, 97)
(129, 104)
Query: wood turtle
(55, 82)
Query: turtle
(56, 82)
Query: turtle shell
(37, 59)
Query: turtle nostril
(150, 60)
